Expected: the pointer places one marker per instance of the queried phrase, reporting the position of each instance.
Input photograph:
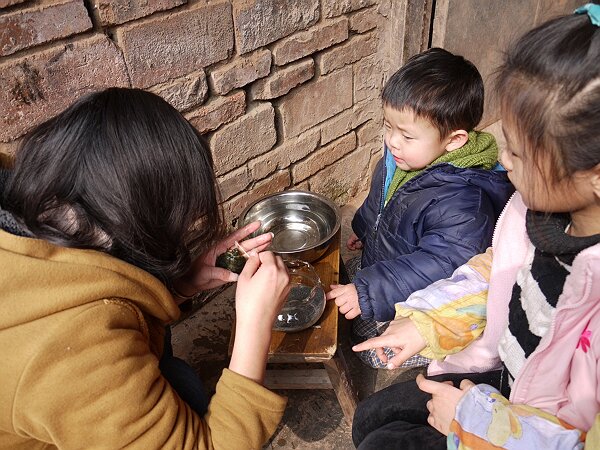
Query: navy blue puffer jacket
(433, 223)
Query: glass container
(305, 303)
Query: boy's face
(413, 141)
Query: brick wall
(287, 92)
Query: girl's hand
(402, 336)
(346, 298)
(204, 275)
(354, 243)
(261, 291)
(442, 407)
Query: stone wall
(287, 92)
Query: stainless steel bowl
(303, 223)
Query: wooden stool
(318, 344)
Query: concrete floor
(313, 418)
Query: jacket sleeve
(485, 419)
(450, 238)
(97, 384)
(365, 216)
(451, 313)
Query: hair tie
(592, 10)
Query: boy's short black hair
(444, 88)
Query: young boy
(434, 199)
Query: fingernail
(253, 253)
(390, 366)
(272, 234)
(233, 277)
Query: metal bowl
(303, 223)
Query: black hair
(120, 171)
(549, 88)
(444, 88)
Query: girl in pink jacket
(530, 380)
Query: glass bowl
(305, 303)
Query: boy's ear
(456, 140)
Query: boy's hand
(442, 407)
(346, 298)
(401, 336)
(354, 243)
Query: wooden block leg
(342, 385)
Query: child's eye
(408, 138)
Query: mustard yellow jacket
(81, 335)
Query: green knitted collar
(480, 150)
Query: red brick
(30, 27)
(241, 71)
(260, 22)
(317, 38)
(283, 80)
(324, 157)
(112, 12)
(7, 3)
(234, 182)
(284, 155)
(184, 93)
(249, 136)
(368, 78)
(355, 49)
(333, 8)
(37, 87)
(218, 112)
(364, 20)
(314, 102)
(343, 179)
(236, 205)
(172, 46)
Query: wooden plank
(297, 379)
(319, 342)
(342, 385)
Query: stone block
(371, 131)
(370, 109)
(233, 207)
(314, 102)
(343, 179)
(7, 3)
(283, 80)
(368, 79)
(284, 155)
(260, 22)
(241, 71)
(184, 93)
(111, 12)
(38, 86)
(333, 8)
(233, 182)
(217, 112)
(355, 49)
(33, 26)
(323, 157)
(251, 135)
(171, 46)
(364, 20)
(337, 126)
(307, 42)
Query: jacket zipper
(382, 202)
(502, 214)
